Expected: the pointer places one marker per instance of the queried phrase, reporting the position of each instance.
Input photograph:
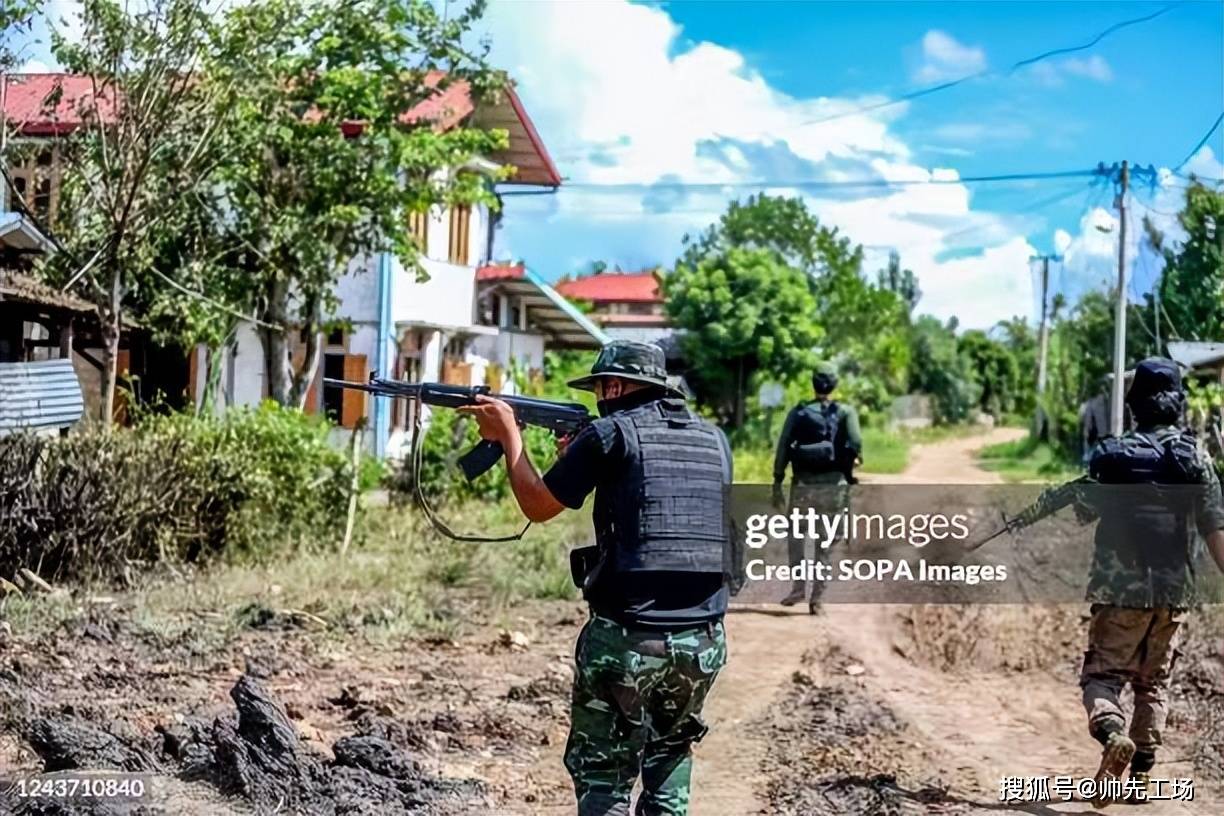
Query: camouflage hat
(824, 377)
(1155, 375)
(629, 360)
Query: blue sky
(727, 91)
(733, 93)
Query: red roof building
(25, 98)
(621, 299)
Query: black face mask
(604, 407)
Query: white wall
(447, 298)
(357, 290)
(526, 348)
(244, 385)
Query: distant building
(627, 305)
(462, 322)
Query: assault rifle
(1048, 503)
(562, 418)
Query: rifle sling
(418, 493)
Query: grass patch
(884, 451)
(402, 578)
(1026, 460)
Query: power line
(1200, 144)
(943, 86)
(817, 184)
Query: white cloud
(1093, 67)
(34, 67)
(1053, 73)
(1091, 254)
(620, 96)
(945, 58)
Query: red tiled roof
(499, 272)
(620, 287)
(24, 105)
(24, 95)
(632, 319)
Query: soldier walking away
(1143, 574)
(655, 580)
(822, 443)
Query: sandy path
(985, 725)
(767, 643)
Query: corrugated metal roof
(549, 310)
(1195, 354)
(17, 287)
(41, 395)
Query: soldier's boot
(797, 594)
(1119, 749)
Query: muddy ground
(861, 710)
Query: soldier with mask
(821, 442)
(655, 580)
(1143, 575)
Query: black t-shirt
(646, 600)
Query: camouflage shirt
(1147, 544)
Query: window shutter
(460, 232)
(418, 226)
(353, 407)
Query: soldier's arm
(1215, 545)
(497, 423)
(1211, 515)
(854, 434)
(782, 455)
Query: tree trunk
(310, 364)
(277, 365)
(111, 324)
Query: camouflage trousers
(636, 711)
(1135, 646)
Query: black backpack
(814, 438)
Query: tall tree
(1192, 284)
(143, 142)
(743, 311)
(901, 282)
(940, 370)
(323, 162)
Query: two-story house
(443, 322)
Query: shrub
(175, 487)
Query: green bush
(175, 487)
(275, 469)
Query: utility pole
(1043, 339)
(1119, 360)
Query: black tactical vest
(668, 512)
(1144, 541)
(815, 447)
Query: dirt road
(963, 730)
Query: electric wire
(943, 86)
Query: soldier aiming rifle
(655, 580)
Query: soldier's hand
(563, 443)
(495, 418)
(779, 501)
